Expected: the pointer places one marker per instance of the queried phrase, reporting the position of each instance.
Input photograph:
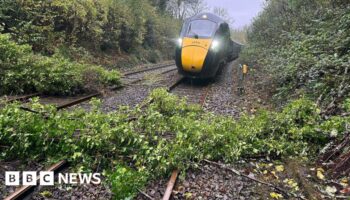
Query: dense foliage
(124, 26)
(305, 46)
(148, 141)
(75, 36)
(23, 71)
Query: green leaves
(125, 181)
(166, 134)
(116, 25)
(346, 105)
(23, 72)
(304, 45)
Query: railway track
(196, 91)
(22, 98)
(130, 73)
(138, 76)
(24, 191)
(66, 102)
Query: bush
(306, 50)
(118, 25)
(14, 70)
(24, 72)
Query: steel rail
(23, 98)
(147, 69)
(80, 100)
(26, 190)
(170, 70)
(171, 184)
(175, 173)
(83, 99)
(176, 83)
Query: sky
(242, 11)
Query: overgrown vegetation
(53, 46)
(97, 27)
(167, 133)
(304, 45)
(23, 71)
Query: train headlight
(179, 42)
(215, 45)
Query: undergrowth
(22, 71)
(304, 47)
(149, 141)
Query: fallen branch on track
(285, 193)
(335, 151)
(345, 114)
(145, 194)
(342, 166)
(43, 114)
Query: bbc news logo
(47, 178)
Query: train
(204, 45)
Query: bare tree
(223, 13)
(197, 6)
(176, 8)
(182, 9)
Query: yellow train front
(204, 44)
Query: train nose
(193, 58)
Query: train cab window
(201, 29)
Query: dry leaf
(275, 195)
(274, 174)
(344, 182)
(320, 173)
(279, 168)
(188, 195)
(291, 183)
(331, 190)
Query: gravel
(206, 182)
(193, 90)
(222, 98)
(133, 94)
(69, 192)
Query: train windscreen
(201, 29)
